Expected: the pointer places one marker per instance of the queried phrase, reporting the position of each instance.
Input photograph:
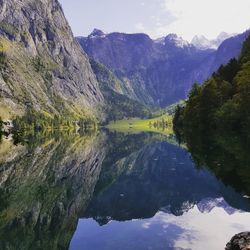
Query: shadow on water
(49, 180)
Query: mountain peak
(97, 33)
(201, 42)
(176, 40)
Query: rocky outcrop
(42, 66)
(239, 242)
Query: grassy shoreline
(162, 124)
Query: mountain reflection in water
(138, 191)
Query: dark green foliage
(160, 124)
(215, 122)
(119, 106)
(223, 102)
(38, 121)
(229, 71)
(225, 155)
(246, 49)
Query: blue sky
(159, 17)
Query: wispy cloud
(159, 17)
(207, 17)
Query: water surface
(111, 191)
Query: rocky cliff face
(157, 72)
(41, 63)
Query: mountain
(157, 72)
(201, 42)
(173, 39)
(152, 72)
(230, 48)
(117, 105)
(42, 66)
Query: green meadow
(161, 124)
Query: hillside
(43, 68)
(117, 105)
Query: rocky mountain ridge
(157, 72)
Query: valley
(130, 138)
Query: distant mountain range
(201, 42)
(159, 72)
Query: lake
(103, 190)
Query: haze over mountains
(158, 72)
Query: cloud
(159, 17)
(207, 17)
(140, 27)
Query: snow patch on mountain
(173, 39)
(201, 42)
(208, 204)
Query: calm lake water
(114, 191)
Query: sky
(158, 18)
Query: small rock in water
(239, 242)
